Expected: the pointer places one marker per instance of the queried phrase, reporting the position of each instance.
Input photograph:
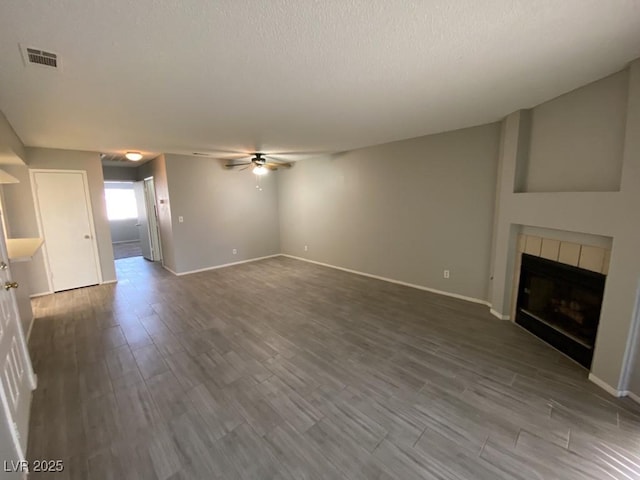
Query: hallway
(126, 250)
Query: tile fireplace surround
(589, 257)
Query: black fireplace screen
(560, 304)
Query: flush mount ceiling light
(133, 156)
(260, 170)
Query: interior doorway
(65, 221)
(122, 213)
(133, 221)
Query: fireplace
(561, 305)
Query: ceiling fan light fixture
(133, 156)
(260, 170)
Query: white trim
(498, 315)
(33, 320)
(40, 294)
(224, 265)
(168, 269)
(125, 241)
(606, 387)
(109, 281)
(92, 227)
(397, 282)
(149, 189)
(634, 397)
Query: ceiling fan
(260, 162)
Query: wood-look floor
(127, 250)
(283, 369)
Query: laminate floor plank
(149, 361)
(301, 459)
(286, 370)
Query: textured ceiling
(294, 75)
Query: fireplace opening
(561, 305)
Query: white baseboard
(634, 397)
(498, 315)
(224, 265)
(397, 282)
(109, 281)
(41, 294)
(168, 269)
(607, 388)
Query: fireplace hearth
(560, 304)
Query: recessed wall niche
(576, 140)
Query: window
(121, 202)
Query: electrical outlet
(235, 251)
(306, 248)
(180, 219)
(446, 274)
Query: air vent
(113, 157)
(43, 58)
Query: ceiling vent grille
(35, 56)
(113, 157)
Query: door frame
(144, 204)
(92, 228)
(156, 223)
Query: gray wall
(222, 210)
(124, 230)
(21, 211)
(576, 139)
(11, 148)
(120, 174)
(404, 210)
(602, 216)
(157, 168)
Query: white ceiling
(294, 75)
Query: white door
(152, 215)
(16, 375)
(64, 209)
(143, 221)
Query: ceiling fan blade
(291, 152)
(232, 165)
(217, 153)
(245, 167)
(292, 157)
(271, 166)
(276, 165)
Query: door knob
(3, 266)
(10, 285)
